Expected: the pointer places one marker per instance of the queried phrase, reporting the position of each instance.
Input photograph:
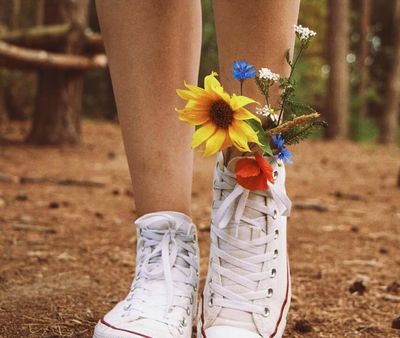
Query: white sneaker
(247, 292)
(162, 300)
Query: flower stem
(241, 87)
(292, 67)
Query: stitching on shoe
(124, 330)
(283, 306)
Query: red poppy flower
(253, 174)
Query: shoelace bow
(161, 250)
(230, 212)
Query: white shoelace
(230, 213)
(167, 271)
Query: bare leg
(260, 32)
(152, 47)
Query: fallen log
(20, 57)
(48, 36)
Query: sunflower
(219, 117)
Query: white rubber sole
(104, 331)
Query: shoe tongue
(245, 233)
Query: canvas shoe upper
(247, 291)
(162, 300)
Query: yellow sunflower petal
(195, 89)
(187, 94)
(246, 130)
(227, 143)
(215, 142)
(244, 114)
(194, 117)
(239, 101)
(203, 103)
(210, 82)
(238, 137)
(202, 134)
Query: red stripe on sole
(124, 330)
(283, 306)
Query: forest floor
(67, 251)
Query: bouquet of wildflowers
(221, 120)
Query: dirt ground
(67, 251)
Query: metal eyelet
(275, 254)
(180, 330)
(266, 312)
(275, 214)
(127, 307)
(183, 322)
(188, 311)
(273, 273)
(211, 301)
(270, 293)
(275, 174)
(276, 235)
(191, 299)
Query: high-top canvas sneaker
(162, 300)
(247, 291)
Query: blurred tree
(209, 54)
(390, 116)
(365, 18)
(56, 118)
(311, 73)
(337, 102)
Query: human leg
(152, 47)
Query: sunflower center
(221, 114)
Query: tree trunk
(365, 18)
(3, 111)
(56, 119)
(390, 117)
(15, 15)
(337, 110)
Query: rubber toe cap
(229, 331)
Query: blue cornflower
(283, 153)
(242, 70)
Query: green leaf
(301, 132)
(262, 137)
(297, 108)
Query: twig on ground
(45, 180)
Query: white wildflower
(304, 33)
(266, 73)
(269, 112)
